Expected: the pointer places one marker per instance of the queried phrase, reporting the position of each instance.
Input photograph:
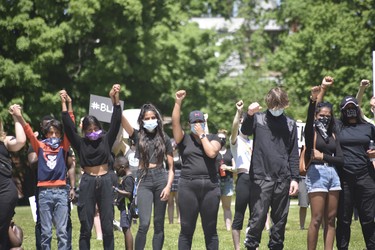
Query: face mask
(325, 121)
(193, 129)
(52, 142)
(351, 113)
(276, 112)
(93, 136)
(150, 125)
(223, 140)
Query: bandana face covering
(93, 136)
(150, 125)
(325, 121)
(52, 142)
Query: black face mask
(351, 113)
(325, 121)
(223, 141)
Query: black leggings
(242, 200)
(198, 197)
(8, 201)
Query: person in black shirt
(357, 175)
(198, 187)
(322, 180)
(94, 152)
(274, 169)
(152, 147)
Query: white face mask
(150, 125)
(276, 112)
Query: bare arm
(236, 122)
(326, 82)
(361, 90)
(15, 144)
(178, 133)
(71, 162)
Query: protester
(357, 175)
(173, 196)
(274, 167)
(198, 184)
(8, 191)
(241, 148)
(32, 159)
(52, 191)
(225, 168)
(94, 152)
(152, 146)
(125, 194)
(322, 180)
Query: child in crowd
(125, 193)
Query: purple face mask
(93, 136)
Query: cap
(196, 115)
(347, 100)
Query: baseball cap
(347, 100)
(196, 115)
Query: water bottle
(372, 147)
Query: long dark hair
(157, 138)
(90, 120)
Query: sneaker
(116, 225)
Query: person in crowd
(241, 148)
(8, 191)
(274, 171)
(125, 193)
(94, 152)
(361, 90)
(32, 159)
(357, 175)
(173, 196)
(225, 165)
(198, 183)
(52, 192)
(322, 180)
(152, 147)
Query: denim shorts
(226, 186)
(322, 178)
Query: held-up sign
(301, 133)
(102, 107)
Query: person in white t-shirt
(241, 147)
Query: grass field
(295, 239)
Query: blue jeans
(149, 190)
(53, 208)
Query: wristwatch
(202, 136)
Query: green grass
(295, 239)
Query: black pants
(96, 190)
(198, 197)
(148, 194)
(358, 191)
(8, 201)
(242, 200)
(263, 195)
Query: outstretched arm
(236, 122)
(15, 144)
(178, 133)
(326, 82)
(361, 90)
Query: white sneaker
(116, 225)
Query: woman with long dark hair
(357, 175)
(152, 147)
(322, 180)
(94, 152)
